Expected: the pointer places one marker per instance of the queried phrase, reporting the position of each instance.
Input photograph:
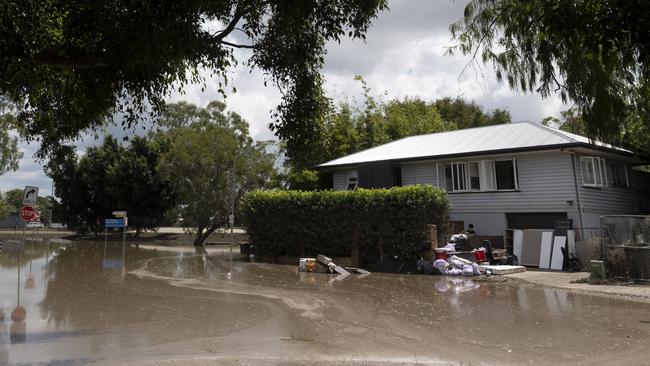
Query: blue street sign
(114, 223)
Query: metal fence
(625, 245)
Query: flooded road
(87, 303)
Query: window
(456, 177)
(474, 180)
(505, 173)
(482, 175)
(352, 180)
(593, 171)
(397, 176)
(486, 170)
(619, 175)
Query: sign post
(122, 222)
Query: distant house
(518, 176)
(12, 221)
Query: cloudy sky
(403, 55)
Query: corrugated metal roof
(513, 136)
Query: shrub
(385, 222)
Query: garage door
(543, 220)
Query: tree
(138, 188)
(4, 208)
(69, 66)
(12, 201)
(570, 121)
(593, 52)
(468, 114)
(211, 161)
(111, 177)
(348, 129)
(9, 152)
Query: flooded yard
(91, 303)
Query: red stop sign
(27, 213)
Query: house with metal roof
(518, 176)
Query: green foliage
(348, 129)
(467, 114)
(593, 52)
(387, 222)
(69, 66)
(210, 158)
(569, 121)
(5, 209)
(11, 201)
(9, 153)
(107, 178)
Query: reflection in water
(18, 330)
(457, 285)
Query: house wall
(12, 221)
(340, 178)
(375, 175)
(545, 185)
(597, 201)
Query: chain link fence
(625, 244)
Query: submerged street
(90, 303)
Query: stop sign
(27, 213)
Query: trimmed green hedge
(386, 222)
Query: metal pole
(232, 209)
(105, 239)
(123, 250)
(51, 206)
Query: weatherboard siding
(607, 199)
(340, 179)
(545, 185)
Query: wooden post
(431, 236)
(356, 255)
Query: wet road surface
(87, 303)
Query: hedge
(386, 223)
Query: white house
(519, 175)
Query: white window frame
(599, 175)
(488, 175)
(455, 169)
(486, 172)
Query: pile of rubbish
(456, 266)
(323, 264)
(457, 242)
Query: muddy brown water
(87, 303)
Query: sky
(404, 54)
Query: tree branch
(231, 26)
(249, 46)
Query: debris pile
(324, 264)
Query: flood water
(90, 303)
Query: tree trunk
(201, 236)
(199, 239)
